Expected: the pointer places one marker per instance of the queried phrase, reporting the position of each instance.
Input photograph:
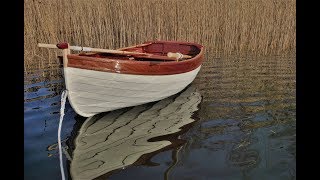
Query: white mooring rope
(63, 102)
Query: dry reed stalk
(259, 27)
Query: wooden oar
(79, 48)
(170, 56)
(134, 46)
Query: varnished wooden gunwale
(127, 66)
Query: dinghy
(100, 80)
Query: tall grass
(261, 27)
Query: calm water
(243, 127)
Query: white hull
(91, 92)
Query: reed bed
(241, 27)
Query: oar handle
(178, 55)
(47, 45)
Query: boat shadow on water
(110, 141)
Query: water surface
(244, 128)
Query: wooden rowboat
(105, 80)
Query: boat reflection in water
(109, 141)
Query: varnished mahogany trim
(127, 66)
